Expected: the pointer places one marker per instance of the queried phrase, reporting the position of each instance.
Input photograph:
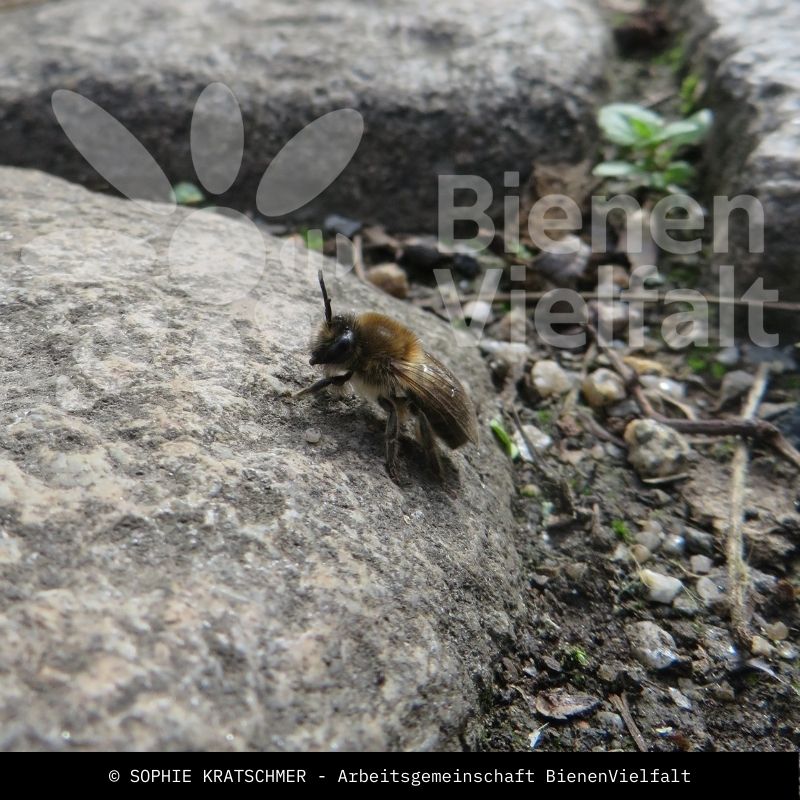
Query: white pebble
(777, 631)
(312, 435)
(650, 535)
(549, 378)
(761, 647)
(708, 590)
(680, 699)
(667, 386)
(662, 588)
(603, 387)
(701, 564)
(651, 645)
(478, 311)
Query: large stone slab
(747, 50)
(455, 86)
(179, 566)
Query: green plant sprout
(649, 145)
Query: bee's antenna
(326, 299)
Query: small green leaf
(629, 124)
(620, 527)
(687, 131)
(502, 436)
(679, 173)
(615, 169)
(187, 194)
(690, 89)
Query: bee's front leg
(334, 380)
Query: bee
(385, 361)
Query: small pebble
(650, 535)
(734, 385)
(576, 571)
(686, 605)
(607, 673)
(621, 552)
(723, 692)
(6, 236)
(640, 553)
(312, 435)
(538, 438)
(478, 311)
(603, 387)
(708, 590)
(608, 719)
(549, 378)
(674, 544)
(761, 647)
(654, 450)
(699, 541)
(777, 631)
(717, 642)
(667, 386)
(661, 588)
(701, 564)
(651, 645)
(787, 651)
(728, 356)
(389, 278)
(680, 699)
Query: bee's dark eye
(336, 353)
(341, 349)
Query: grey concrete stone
(455, 86)
(180, 567)
(747, 50)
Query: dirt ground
(584, 593)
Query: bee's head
(335, 341)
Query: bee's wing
(441, 397)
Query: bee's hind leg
(428, 442)
(392, 435)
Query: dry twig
(621, 704)
(738, 579)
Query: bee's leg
(427, 440)
(335, 380)
(392, 436)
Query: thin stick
(738, 577)
(621, 704)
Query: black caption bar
(556, 775)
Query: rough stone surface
(747, 50)
(459, 86)
(179, 567)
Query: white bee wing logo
(217, 138)
(310, 162)
(306, 165)
(112, 150)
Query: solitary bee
(385, 361)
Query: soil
(717, 695)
